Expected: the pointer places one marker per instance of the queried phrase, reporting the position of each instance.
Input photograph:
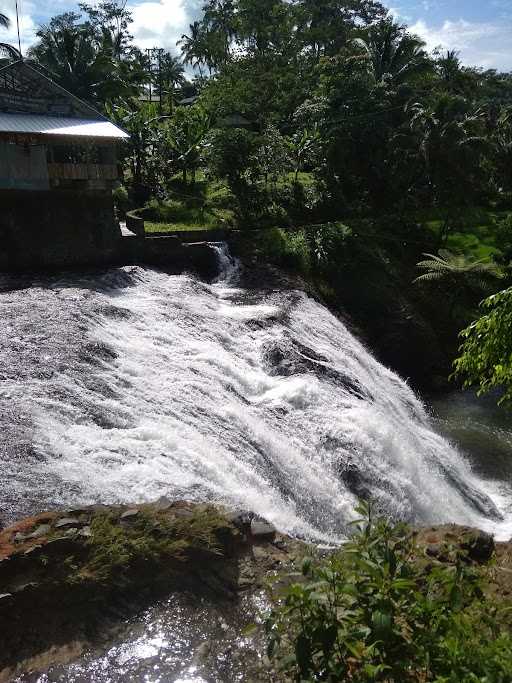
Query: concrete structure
(57, 169)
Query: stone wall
(67, 229)
(56, 228)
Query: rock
(67, 522)
(260, 553)
(42, 530)
(85, 532)
(183, 512)
(31, 585)
(34, 549)
(241, 519)
(202, 653)
(163, 504)
(5, 596)
(78, 512)
(261, 530)
(129, 515)
(60, 546)
(439, 541)
(19, 537)
(479, 545)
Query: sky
(480, 30)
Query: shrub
(121, 200)
(374, 612)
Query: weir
(131, 383)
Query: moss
(117, 550)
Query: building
(58, 165)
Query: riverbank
(69, 579)
(66, 577)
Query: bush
(231, 154)
(374, 612)
(121, 200)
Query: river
(128, 384)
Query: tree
(232, 154)
(452, 141)
(172, 76)
(5, 49)
(272, 157)
(304, 147)
(195, 48)
(140, 123)
(186, 131)
(110, 21)
(486, 351)
(91, 58)
(66, 49)
(326, 26)
(460, 277)
(392, 53)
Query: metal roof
(54, 125)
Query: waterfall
(131, 384)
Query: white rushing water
(132, 384)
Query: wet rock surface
(66, 577)
(82, 586)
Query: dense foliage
(486, 352)
(375, 611)
(351, 94)
(303, 114)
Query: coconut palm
(171, 75)
(451, 140)
(392, 53)
(7, 50)
(192, 47)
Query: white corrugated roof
(53, 125)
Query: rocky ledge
(62, 574)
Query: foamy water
(132, 384)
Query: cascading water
(131, 384)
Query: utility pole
(18, 27)
(155, 55)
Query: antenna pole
(18, 25)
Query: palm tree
(392, 53)
(192, 47)
(5, 49)
(171, 75)
(67, 50)
(451, 139)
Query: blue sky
(481, 30)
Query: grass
(474, 230)
(206, 205)
(202, 206)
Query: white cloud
(27, 27)
(480, 44)
(398, 14)
(160, 24)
